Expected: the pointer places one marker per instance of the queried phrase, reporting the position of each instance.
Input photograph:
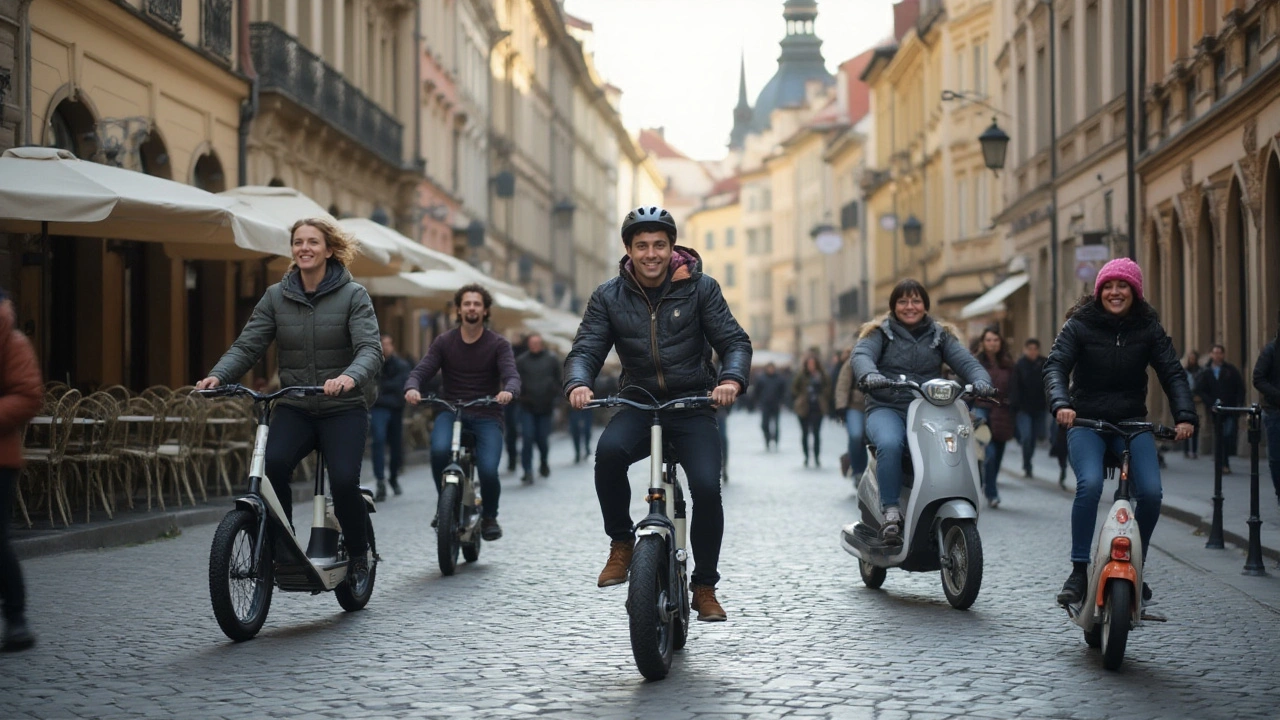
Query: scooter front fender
(1117, 570)
(252, 504)
(956, 510)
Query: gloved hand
(984, 389)
(874, 381)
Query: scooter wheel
(1116, 620)
(353, 597)
(962, 563)
(872, 576)
(240, 592)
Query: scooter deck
(867, 540)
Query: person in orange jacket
(21, 393)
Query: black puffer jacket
(666, 349)
(1107, 359)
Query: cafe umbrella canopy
(50, 192)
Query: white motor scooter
(942, 488)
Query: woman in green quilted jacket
(326, 334)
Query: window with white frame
(980, 67)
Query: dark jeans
(580, 430)
(534, 428)
(991, 468)
(12, 591)
(1271, 423)
(769, 423)
(811, 425)
(855, 424)
(1223, 451)
(511, 419)
(488, 453)
(696, 441)
(1031, 427)
(387, 427)
(340, 438)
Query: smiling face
(310, 252)
(909, 309)
(472, 309)
(650, 254)
(1117, 297)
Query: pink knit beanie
(1120, 269)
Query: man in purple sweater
(475, 362)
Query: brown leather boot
(615, 570)
(704, 601)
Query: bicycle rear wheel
(651, 608)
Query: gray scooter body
(945, 484)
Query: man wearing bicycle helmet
(1109, 340)
(664, 317)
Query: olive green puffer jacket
(333, 333)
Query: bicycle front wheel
(447, 527)
(239, 590)
(651, 608)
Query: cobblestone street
(128, 632)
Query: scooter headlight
(941, 393)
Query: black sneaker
(1146, 592)
(1074, 588)
(435, 520)
(490, 530)
(544, 470)
(17, 636)
(394, 482)
(527, 479)
(358, 569)
(381, 494)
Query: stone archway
(153, 156)
(1270, 245)
(1234, 331)
(71, 128)
(1203, 287)
(207, 173)
(1174, 310)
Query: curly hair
(343, 244)
(472, 288)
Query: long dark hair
(1140, 308)
(1003, 358)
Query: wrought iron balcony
(215, 30)
(285, 66)
(167, 11)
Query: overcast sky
(676, 61)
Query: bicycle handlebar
(234, 389)
(1127, 429)
(692, 401)
(919, 390)
(456, 405)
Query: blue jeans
(1031, 427)
(855, 423)
(488, 453)
(387, 427)
(534, 428)
(1271, 423)
(1085, 448)
(887, 429)
(1229, 439)
(580, 430)
(991, 468)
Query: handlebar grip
(1164, 432)
(1082, 422)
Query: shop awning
(438, 286)
(993, 299)
(50, 191)
(411, 254)
(283, 206)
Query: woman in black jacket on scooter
(1108, 342)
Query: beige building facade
(715, 231)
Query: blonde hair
(342, 243)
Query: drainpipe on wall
(248, 108)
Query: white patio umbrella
(283, 206)
(439, 286)
(50, 191)
(410, 253)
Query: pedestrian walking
(20, 397)
(1266, 378)
(769, 390)
(386, 419)
(511, 416)
(1191, 364)
(851, 410)
(540, 372)
(993, 355)
(1027, 401)
(812, 390)
(1221, 382)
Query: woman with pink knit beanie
(1109, 340)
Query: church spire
(742, 113)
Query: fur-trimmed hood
(886, 322)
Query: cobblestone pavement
(128, 632)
